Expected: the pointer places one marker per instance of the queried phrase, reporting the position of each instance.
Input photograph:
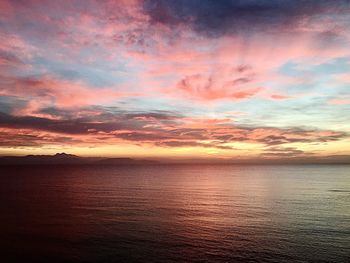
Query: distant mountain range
(63, 158)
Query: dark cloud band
(213, 17)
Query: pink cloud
(343, 101)
(214, 88)
(204, 69)
(46, 91)
(14, 50)
(343, 78)
(279, 97)
(173, 59)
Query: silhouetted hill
(63, 158)
(59, 158)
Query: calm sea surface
(175, 214)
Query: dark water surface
(175, 214)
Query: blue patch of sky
(335, 66)
(97, 74)
(10, 103)
(308, 111)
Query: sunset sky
(179, 79)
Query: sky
(175, 79)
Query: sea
(175, 213)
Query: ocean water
(175, 213)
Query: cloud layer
(263, 78)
